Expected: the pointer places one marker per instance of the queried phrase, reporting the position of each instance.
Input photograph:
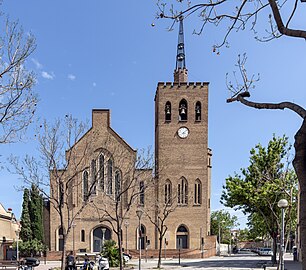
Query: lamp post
(139, 213)
(103, 237)
(126, 224)
(17, 247)
(282, 204)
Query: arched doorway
(100, 234)
(182, 237)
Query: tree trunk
(160, 251)
(63, 259)
(299, 164)
(120, 248)
(274, 238)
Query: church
(114, 191)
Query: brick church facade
(112, 183)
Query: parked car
(265, 252)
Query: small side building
(9, 231)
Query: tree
(52, 163)
(18, 100)
(111, 252)
(25, 221)
(35, 209)
(237, 16)
(260, 186)
(134, 181)
(222, 222)
(158, 214)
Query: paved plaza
(234, 262)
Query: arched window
(101, 172)
(198, 111)
(182, 192)
(109, 188)
(183, 110)
(141, 195)
(168, 111)
(82, 235)
(61, 194)
(117, 185)
(197, 192)
(168, 192)
(85, 185)
(93, 189)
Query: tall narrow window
(183, 110)
(85, 185)
(168, 111)
(168, 192)
(82, 235)
(197, 192)
(182, 192)
(109, 188)
(61, 194)
(117, 185)
(93, 188)
(142, 196)
(198, 111)
(101, 172)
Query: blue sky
(105, 54)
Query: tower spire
(180, 72)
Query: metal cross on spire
(180, 56)
(180, 73)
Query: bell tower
(183, 159)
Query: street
(248, 261)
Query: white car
(265, 252)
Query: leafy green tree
(223, 221)
(30, 248)
(260, 186)
(111, 252)
(26, 231)
(36, 205)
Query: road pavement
(234, 262)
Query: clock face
(183, 132)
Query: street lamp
(139, 213)
(126, 224)
(219, 235)
(282, 204)
(103, 236)
(17, 247)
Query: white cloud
(71, 77)
(94, 84)
(36, 63)
(46, 75)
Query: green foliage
(225, 221)
(259, 187)
(111, 252)
(26, 231)
(35, 207)
(30, 248)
